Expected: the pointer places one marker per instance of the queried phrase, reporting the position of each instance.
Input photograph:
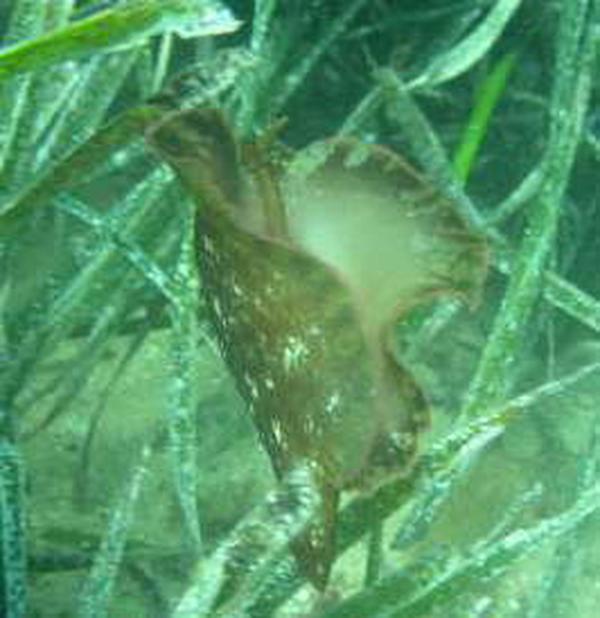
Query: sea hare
(306, 265)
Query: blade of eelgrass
(25, 16)
(571, 300)
(519, 197)
(477, 127)
(565, 296)
(298, 74)
(98, 588)
(471, 49)
(58, 13)
(554, 598)
(425, 145)
(392, 597)
(261, 23)
(81, 477)
(92, 91)
(13, 558)
(74, 381)
(433, 491)
(435, 488)
(47, 92)
(69, 301)
(256, 108)
(235, 572)
(164, 57)
(100, 153)
(96, 88)
(575, 51)
(181, 412)
(374, 564)
(125, 25)
(362, 512)
(84, 92)
(117, 304)
(494, 560)
(26, 19)
(65, 390)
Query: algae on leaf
(125, 25)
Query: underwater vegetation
(299, 308)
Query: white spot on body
(277, 433)
(315, 331)
(294, 353)
(254, 393)
(332, 403)
(309, 425)
(217, 309)
(208, 246)
(316, 536)
(269, 384)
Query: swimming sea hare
(306, 266)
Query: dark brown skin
(305, 270)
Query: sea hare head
(305, 270)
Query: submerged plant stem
(575, 48)
(126, 25)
